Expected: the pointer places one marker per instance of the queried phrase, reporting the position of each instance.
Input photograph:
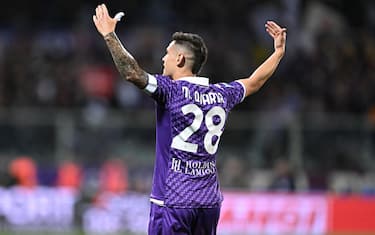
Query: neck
(180, 74)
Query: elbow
(128, 78)
(256, 89)
(251, 90)
(137, 79)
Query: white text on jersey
(202, 98)
(195, 168)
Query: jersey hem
(157, 202)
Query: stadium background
(75, 138)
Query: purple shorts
(181, 221)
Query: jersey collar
(196, 80)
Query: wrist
(279, 53)
(109, 35)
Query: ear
(180, 59)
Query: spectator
(24, 170)
(283, 180)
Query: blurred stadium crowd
(51, 57)
(49, 54)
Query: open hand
(103, 22)
(278, 34)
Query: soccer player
(191, 115)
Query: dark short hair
(196, 45)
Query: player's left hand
(103, 22)
(278, 34)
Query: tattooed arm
(125, 63)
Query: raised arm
(124, 61)
(265, 70)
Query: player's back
(195, 113)
(198, 118)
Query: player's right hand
(103, 22)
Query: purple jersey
(191, 115)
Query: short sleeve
(234, 91)
(160, 88)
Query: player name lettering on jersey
(203, 98)
(195, 168)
